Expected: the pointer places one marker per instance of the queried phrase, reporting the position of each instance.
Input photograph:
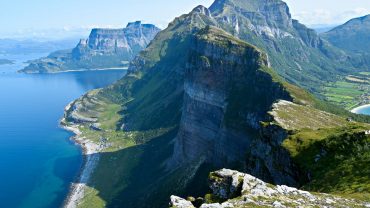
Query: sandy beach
(356, 110)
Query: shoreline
(86, 70)
(78, 70)
(90, 154)
(355, 110)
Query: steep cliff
(199, 98)
(196, 108)
(105, 48)
(295, 51)
(228, 90)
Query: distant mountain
(353, 36)
(10, 46)
(105, 48)
(6, 61)
(322, 28)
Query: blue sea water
(37, 159)
(365, 111)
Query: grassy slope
(151, 101)
(333, 151)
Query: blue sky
(68, 17)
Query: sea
(38, 161)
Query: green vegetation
(336, 160)
(352, 36)
(347, 93)
(64, 61)
(138, 117)
(292, 116)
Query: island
(6, 62)
(104, 49)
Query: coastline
(90, 153)
(355, 110)
(85, 70)
(77, 70)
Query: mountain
(105, 48)
(295, 51)
(220, 88)
(6, 61)
(353, 37)
(322, 28)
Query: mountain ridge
(352, 36)
(202, 97)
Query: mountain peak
(134, 24)
(262, 12)
(202, 10)
(249, 5)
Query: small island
(6, 61)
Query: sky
(44, 18)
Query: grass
(91, 199)
(292, 117)
(365, 73)
(336, 159)
(151, 103)
(346, 93)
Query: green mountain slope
(354, 38)
(200, 98)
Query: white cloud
(325, 17)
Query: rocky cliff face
(214, 92)
(105, 48)
(125, 42)
(296, 52)
(236, 189)
(226, 96)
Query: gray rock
(105, 48)
(256, 193)
(177, 202)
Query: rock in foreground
(235, 189)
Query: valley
(350, 91)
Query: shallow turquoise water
(37, 160)
(365, 111)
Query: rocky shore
(91, 157)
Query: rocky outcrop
(105, 48)
(236, 189)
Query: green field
(346, 94)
